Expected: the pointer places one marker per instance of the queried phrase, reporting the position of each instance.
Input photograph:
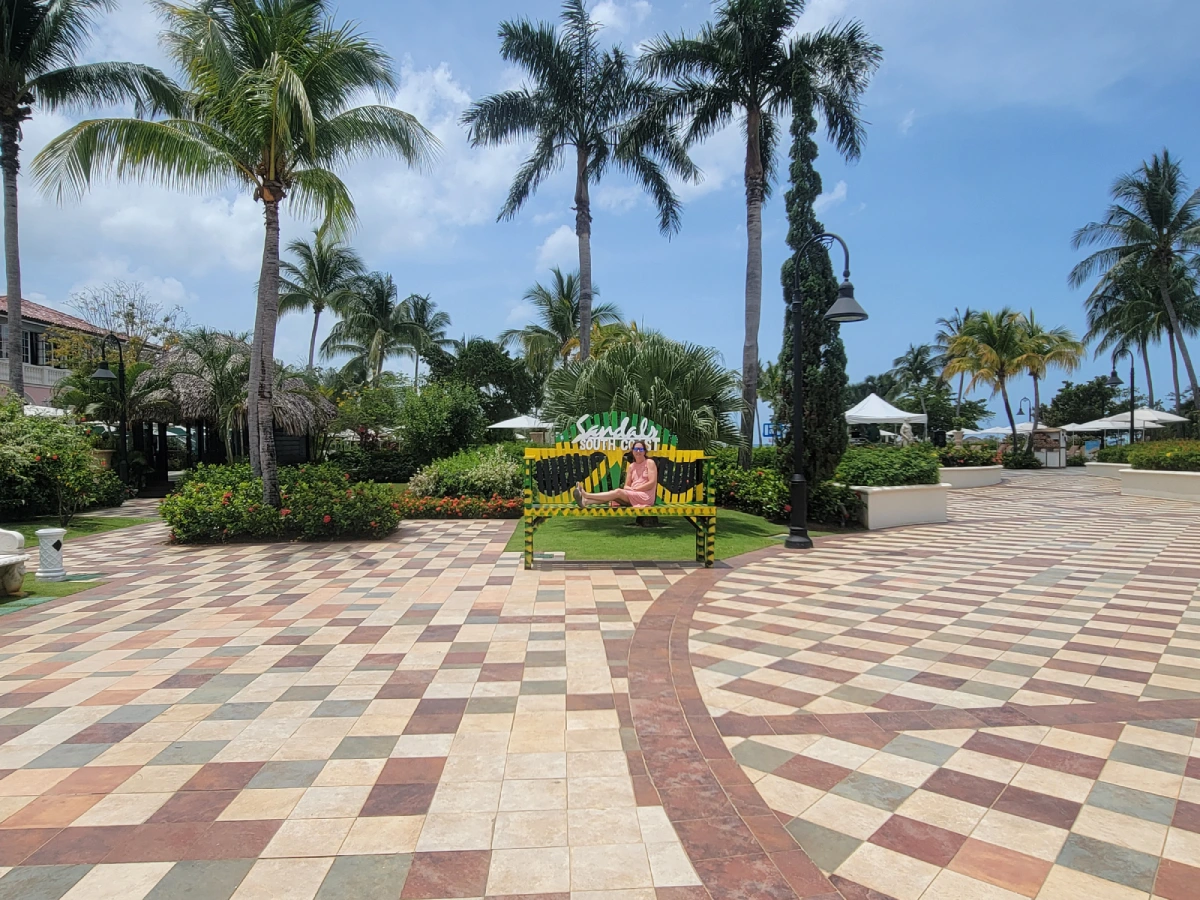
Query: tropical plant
(553, 336)
(682, 387)
(950, 327)
(1153, 223)
(375, 326)
(429, 326)
(915, 369)
(883, 385)
(588, 101)
(40, 44)
(322, 276)
(749, 63)
(269, 85)
(990, 349)
(1044, 349)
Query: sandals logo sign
(614, 431)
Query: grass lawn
(36, 592)
(81, 526)
(674, 539)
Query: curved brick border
(737, 845)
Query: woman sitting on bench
(641, 484)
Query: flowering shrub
(1166, 456)
(223, 503)
(1020, 460)
(762, 491)
(1117, 454)
(412, 506)
(885, 467)
(472, 473)
(961, 457)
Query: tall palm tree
(748, 64)
(554, 336)
(1044, 349)
(1155, 222)
(919, 365)
(40, 44)
(588, 101)
(321, 276)
(949, 328)
(375, 326)
(429, 326)
(269, 85)
(989, 350)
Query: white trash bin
(50, 558)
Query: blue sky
(996, 128)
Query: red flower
(37, 459)
(327, 519)
(374, 524)
(284, 512)
(55, 456)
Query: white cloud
(721, 159)
(617, 198)
(621, 16)
(830, 198)
(906, 123)
(560, 249)
(167, 290)
(519, 314)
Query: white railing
(43, 376)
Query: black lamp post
(1115, 381)
(104, 373)
(1021, 410)
(844, 309)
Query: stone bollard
(50, 559)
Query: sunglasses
(638, 450)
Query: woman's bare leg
(606, 497)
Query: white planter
(1166, 485)
(1107, 470)
(915, 504)
(970, 476)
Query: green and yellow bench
(592, 451)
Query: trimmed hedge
(964, 457)
(888, 467)
(1019, 459)
(762, 491)
(483, 472)
(223, 503)
(384, 466)
(1166, 456)
(1117, 454)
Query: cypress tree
(823, 356)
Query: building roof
(45, 315)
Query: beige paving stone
(382, 835)
(609, 867)
(126, 881)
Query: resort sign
(614, 431)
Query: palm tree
(321, 277)
(948, 329)
(1155, 222)
(554, 336)
(1045, 349)
(682, 387)
(747, 64)
(990, 349)
(40, 43)
(375, 327)
(429, 326)
(269, 85)
(592, 102)
(918, 366)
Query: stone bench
(12, 562)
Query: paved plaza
(998, 708)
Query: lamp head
(104, 373)
(845, 308)
(1114, 380)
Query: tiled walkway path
(998, 708)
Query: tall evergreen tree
(823, 356)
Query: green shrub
(830, 503)
(223, 503)
(1166, 456)
(440, 421)
(485, 472)
(108, 490)
(760, 492)
(878, 467)
(383, 466)
(1117, 454)
(1076, 460)
(961, 457)
(414, 507)
(1019, 459)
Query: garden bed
(1164, 485)
(969, 476)
(910, 504)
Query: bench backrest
(551, 474)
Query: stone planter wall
(970, 476)
(1107, 470)
(1165, 485)
(917, 504)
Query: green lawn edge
(81, 526)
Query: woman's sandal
(579, 494)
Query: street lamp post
(1114, 381)
(1021, 410)
(844, 309)
(104, 373)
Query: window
(34, 349)
(3, 342)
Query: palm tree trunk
(312, 342)
(754, 200)
(1173, 317)
(416, 371)
(1012, 423)
(1174, 368)
(958, 403)
(583, 231)
(262, 355)
(9, 149)
(1149, 377)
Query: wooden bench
(551, 474)
(12, 562)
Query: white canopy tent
(1115, 423)
(874, 410)
(525, 423)
(1154, 415)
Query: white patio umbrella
(524, 423)
(1156, 415)
(1115, 423)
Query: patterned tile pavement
(1002, 707)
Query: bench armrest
(11, 541)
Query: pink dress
(640, 484)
